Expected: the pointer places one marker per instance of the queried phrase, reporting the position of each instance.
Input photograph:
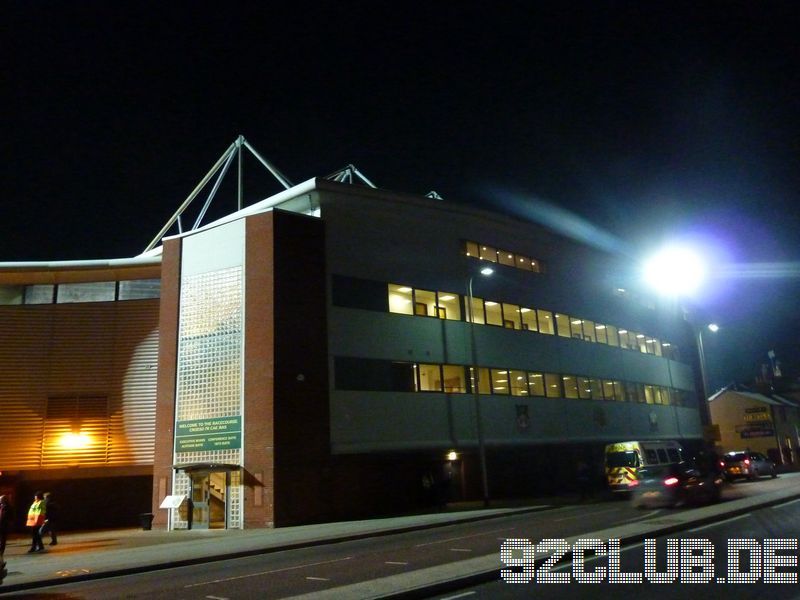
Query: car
(676, 484)
(750, 465)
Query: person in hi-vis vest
(36, 516)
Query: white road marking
(731, 520)
(395, 562)
(785, 504)
(217, 598)
(324, 562)
(460, 550)
(464, 595)
(463, 537)
(317, 578)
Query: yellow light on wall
(75, 441)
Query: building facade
(334, 351)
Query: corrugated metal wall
(91, 350)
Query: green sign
(201, 435)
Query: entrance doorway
(209, 494)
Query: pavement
(97, 554)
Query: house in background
(757, 421)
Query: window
(519, 383)
(449, 306)
(528, 316)
(623, 339)
(662, 455)
(562, 321)
(477, 313)
(536, 384)
(39, 294)
(511, 316)
(503, 257)
(139, 289)
(552, 384)
(429, 378)
(570, 386)
(608, 390)
(101, 291)
(453, 378)
(500, 382)
(589, 331)
(506, 258)
(488, 253)
(494, 313)
(613, 337)
(584, 387)
(400, 299)
(600, 333)
(597, 388)
(483, 380)
(575, 328)
(425, 303)
(619, 391)
(545, 318)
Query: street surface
(781, 521)
(311, 570)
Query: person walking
(51, 518)
(35, 522)
(6, 520)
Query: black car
(747, 464)
(679, 483)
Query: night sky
(652, 120)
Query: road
(310, 570)
(712, 577)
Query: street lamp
(486, 271)
(712, 327)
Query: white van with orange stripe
(624, 459)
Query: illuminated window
(619, 391)
(425, 303)
(552, 383)
(523, 262)
(613, 336)
(511, 316)
(500, 382)
(649, 394)
(570, 386)
(477, 313)
(562, 322)
(589, 331)
(546, 325)
(608, 390)
(536, 384)
(575, 328)
(400, 299)
(584, 387)
(471, 249)
(429, 378)
(494, 313)
(488, 253)
(453, 378)
(506, 258)
(528, 319)
(483, 380)
(597, 388)
(519, 383)
(449, 306)
(600, 333)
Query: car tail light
(633, 483)
(747, 461)
(722, 464)
(670, 481)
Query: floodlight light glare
(675, 271)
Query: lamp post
(486, 271)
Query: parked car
(747, 464)
(671, 485)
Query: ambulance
(624, 459)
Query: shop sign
(202, 435)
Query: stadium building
(330, 352)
